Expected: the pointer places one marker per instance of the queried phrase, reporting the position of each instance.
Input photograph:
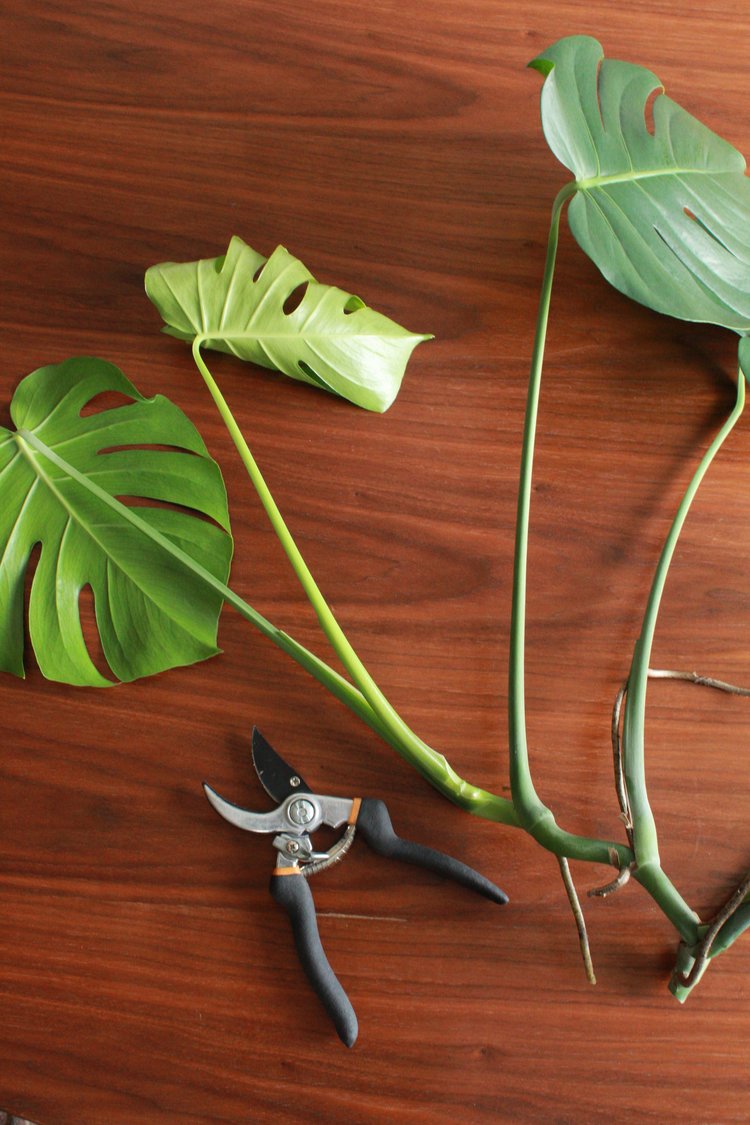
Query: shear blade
(226, 809)
(242, 818)
(276, 776)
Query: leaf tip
(570, 47)
(540, 64)
(16, 670)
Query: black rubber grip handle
(293, 893)
(374, 823)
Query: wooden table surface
(145, 975)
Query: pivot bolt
(301, 811)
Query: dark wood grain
(144, 973)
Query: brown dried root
(575, 906)
(620, 785)
(703, 951)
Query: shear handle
(290, 889)
(374, 824)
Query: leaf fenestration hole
(170, 505)
(146, 445)
(307, 370)
(106, 400)
(31, 565)
(91, 635)
(707, 230)
(295, 298)
(353, 304)
(599, 90)
(259, 271)
(648, 110)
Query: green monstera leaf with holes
(61, 474)
(244, 304)
(664, 214)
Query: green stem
(534, 815)
(429, 762)
(530, 808)
(731, 930)
(663, 891)
(644, 827)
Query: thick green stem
(532, 812)
(662, 890)
(714, 937)
(534, 815)
(644, 827)
(530, 807)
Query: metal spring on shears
(335, 855)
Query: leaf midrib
(28, 438)
(26, 441)
(204, 337)
(628, 177)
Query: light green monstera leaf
(61, 474)
(665, 215)
(245, 304)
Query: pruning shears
(301, 812)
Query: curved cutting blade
(276, 776)
(273, 821)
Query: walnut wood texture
(145, 974)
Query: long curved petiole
(643, 826)
(429, 762)
(534, 815)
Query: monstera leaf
(665, 215)
(273, 312)
(61, 473)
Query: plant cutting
(663, 213)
